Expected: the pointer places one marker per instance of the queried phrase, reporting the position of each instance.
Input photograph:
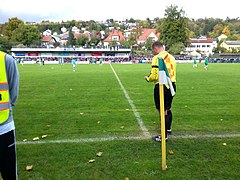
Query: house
(230, 45)
(86, 34)
(65, 36)
(75, 29)
(115, 35)
(148, 33)
(48, 32)
(221, 37)
(63, 29)
(48, 41)
(202, 45)
(144, 34)
(102, 33)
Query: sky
(101, 10)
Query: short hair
(157, 44)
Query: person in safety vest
(9, 85)
(159, 52)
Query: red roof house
(148, 33)
(115, 35)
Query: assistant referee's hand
(146, 78)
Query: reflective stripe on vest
(4, 91)
(169, 66)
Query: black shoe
(158, 138)
(169, 131)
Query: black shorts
(8, 163)
(167, 97)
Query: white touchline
(81, 140)
(87, 140)
(137, 115)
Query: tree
(70, 24)
(209, 24)
(174, 27)
(127, 44)
(136, 33)
(226, 31)
(110, 21)
(217, 30)
(5, 44)
(26, 34)
(148, 43)
(1, 28)
(113, 43)
(71, 41)
(234, 37)
(145, 23)
(177, 48)
(92, 25)
(82, 40)
(95, 38)
(10, 26)
(131, 20)
(192, 28)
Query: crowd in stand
(61, 60)
(91, 60)
(212, 60)
(106, 47)
(224, 60)
(134, 59)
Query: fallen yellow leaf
(24, 140)
(91, 161)
(171, 152)
(29, 168)
(99, 154)
(44, 136)
(122, 127)
(126, 178)
(36, 139)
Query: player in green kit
(194, 62)
(206, 64)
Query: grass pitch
(89, 104)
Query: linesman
(9, 85)
(159, 51)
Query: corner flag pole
(162, 120)
(162, 78)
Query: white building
(48, 32)
(63, 29)
(75, 29)
(203, 45)
(231, 45)
(222, 37)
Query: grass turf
(89, 103)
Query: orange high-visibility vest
(4, 91)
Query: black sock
(168, 120)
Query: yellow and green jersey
(170, 64)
